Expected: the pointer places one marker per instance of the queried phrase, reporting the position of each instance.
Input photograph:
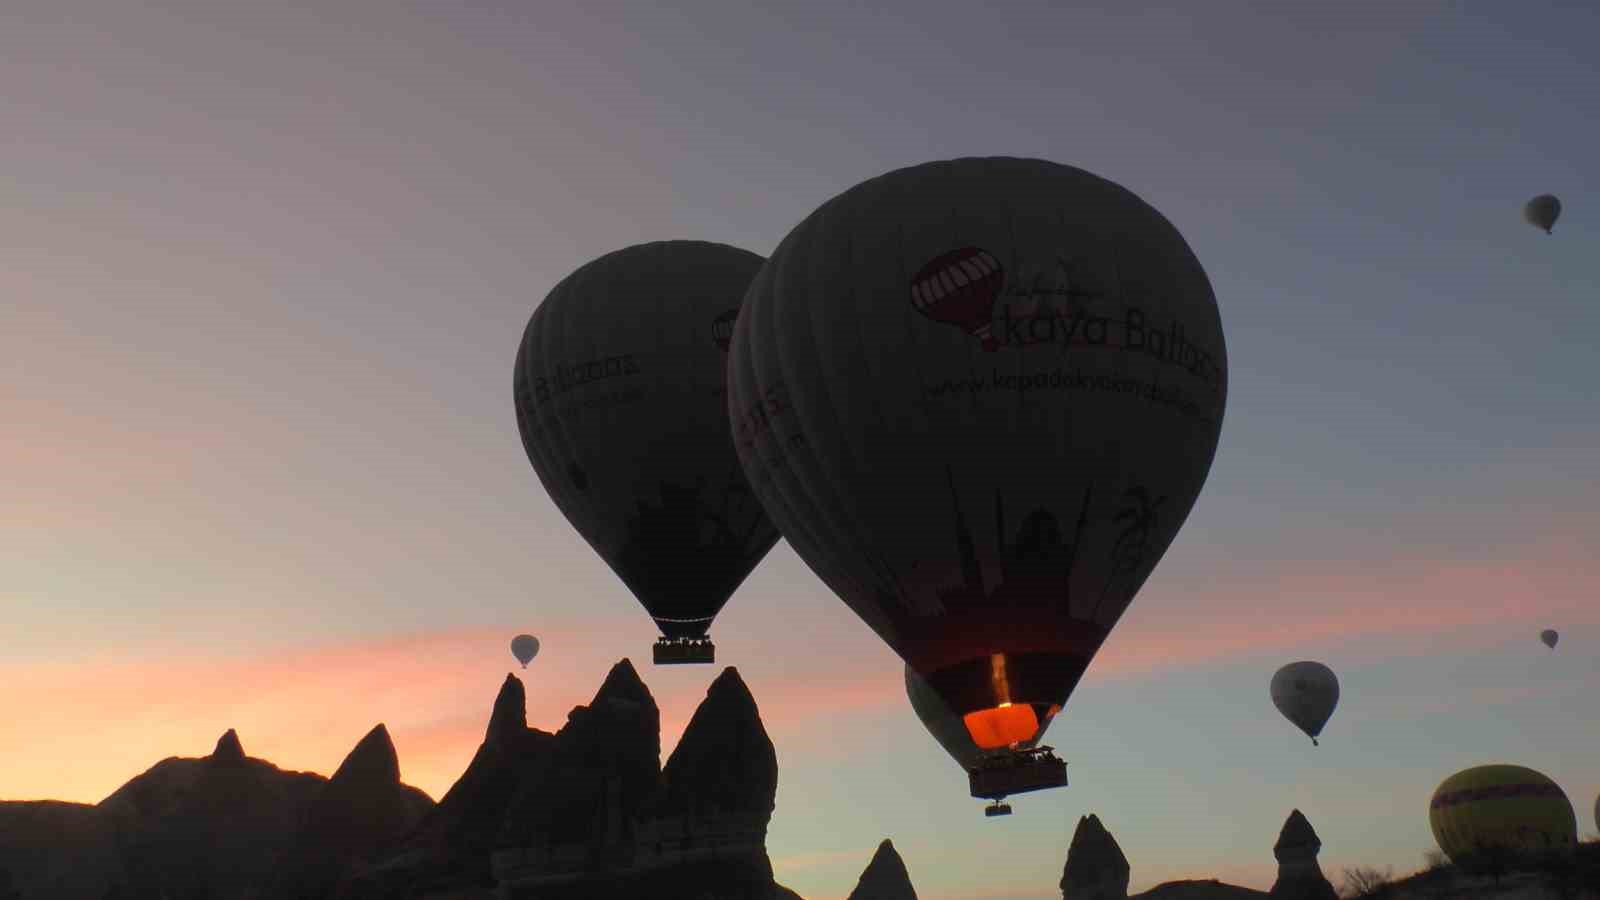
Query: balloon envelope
(1500, 806)
(1549, 637)
(1542, 211)
(979, 397)
(619, 388)
(524, 647)
(1306, 693)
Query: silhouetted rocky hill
(588, 812)
(220, 826)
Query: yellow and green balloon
(1500, 806)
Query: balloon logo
(722, 329)
(959, 288)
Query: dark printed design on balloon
(967, 288)
(1036, 561)
(959, 288)
(722, 329)
(1139, 517)
(690, 547)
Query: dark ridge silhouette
(582, 814)
(360, 811)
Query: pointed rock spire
(623, 685)
(885, 878)
(1096, 868)
(724, 762)
(1299, 876)
(510, 717)
(1296, 835)
(228, 748)
(372, 762)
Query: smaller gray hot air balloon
(524, 647)
(1549, 637)
(1542, 211)
(1306, 693)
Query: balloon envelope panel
(1500, 806)
(979, 397)
(620, 395)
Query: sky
(264, 268)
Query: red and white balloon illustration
(959, 288)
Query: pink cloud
(79, 730)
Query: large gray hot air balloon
(1549, 637)
(524, 647)
(619, 394)
(1542, 212)
(979, 397)
(1306, 693)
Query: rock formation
(1299, 876)
(53, 849)
(212, 826)
(362, 809)
(1096, 869)
(1208, 889)
(585, 813)
(603, 819)
(605, 764)
(885, 877)
(724, 763)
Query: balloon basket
(1017, 772)
(997, 809)
(684, 651)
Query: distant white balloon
(525, 647)
(1542, 211)
(1549, 637)
(1306, 693)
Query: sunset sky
(264, 268)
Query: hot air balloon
(525, 647)
(1549, 637)
(1306, 693)
(619, 395)
(1500, 806)
(1542, 212)
(987, 496)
